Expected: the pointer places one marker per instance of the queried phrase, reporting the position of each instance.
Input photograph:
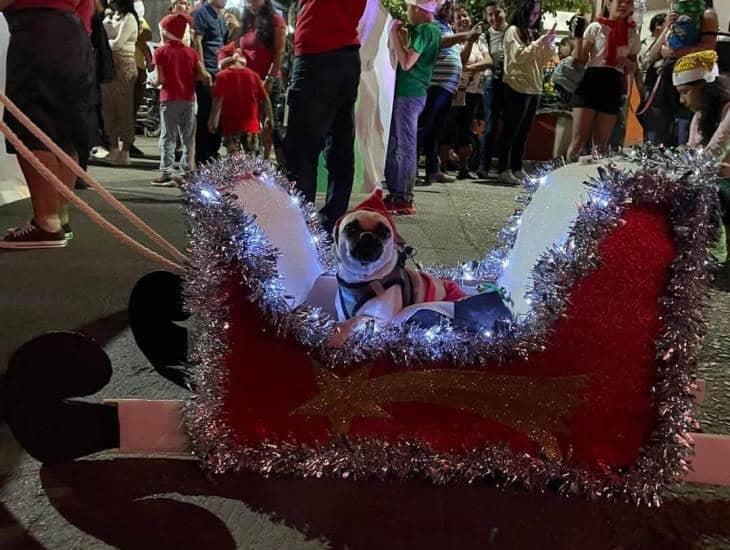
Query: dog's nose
(368, 247)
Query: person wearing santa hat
(178, 67)
(705, 92)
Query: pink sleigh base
(157, 428)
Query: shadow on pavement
(114, 500)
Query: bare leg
(582, 126)
(602, 130)
(48, 205)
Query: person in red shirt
(178, 67)
(56, 88)
(262, 43)
(322, 93)
(237, 95)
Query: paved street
(154, 503)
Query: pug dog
(373, 280)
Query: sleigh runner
(588, 389)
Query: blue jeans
(431, 125)
(177, 118)
(322, 98)
(493, 101)
(401, 162)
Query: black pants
(431, 125)
(519, 113)
(206, 144)
(322, 98)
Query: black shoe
(67, 231)
(136, 153)
(43, 377)
(80, 185)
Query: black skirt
(51, 78)
(600, 90)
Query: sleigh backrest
(546, 223)
(279, 216)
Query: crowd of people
(466, 91)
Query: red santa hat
(175, 24)
(374, 203)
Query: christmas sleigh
(588, 388)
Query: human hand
(207, 79)
(476, 32)
(671, 19)
(211, 126)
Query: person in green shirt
(416, 48)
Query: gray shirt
(495, 40)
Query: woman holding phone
(525, 58)
(608, 48)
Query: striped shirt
(447, 71)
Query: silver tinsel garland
(226, 244)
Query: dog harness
(354, 295)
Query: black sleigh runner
(588, 387)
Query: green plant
(397, 7)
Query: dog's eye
(383, 232)
(352, 228)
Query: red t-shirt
(83, 8)
(259, 56)
(179, 66)
(327, 25)
(241, 90)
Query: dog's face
(365, 245)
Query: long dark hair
(521, 19)
(263, 23)
(715, 96)
(123, 7)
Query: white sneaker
(99, 152)
(508, 178)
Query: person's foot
(121, 159)
(483, 173)
(399, 207)
(467, 175)
(31, 236)
(80, 184)
(521, 175)
(112, 156)
(508, 178)
(439, 177)
(43, 376)
(67, 231)
(163, 180)
(135, 152)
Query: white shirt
(598, 34)
(473, 82)
(122, 33)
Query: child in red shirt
(237, 96)
(178, 67)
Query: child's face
(564, 50)
(618, 9)
(181, 6)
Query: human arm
(215, 113)
(279, 48)
(159, 74)
(708, 37)
(719, 144)
(127, 30)
(485, 61)
(522, 53)
(459, 37)
(469, 44)
(203, 74)
(406, 56)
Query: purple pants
(401, 163)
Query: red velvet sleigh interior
(600, 403)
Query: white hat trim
(693, 75)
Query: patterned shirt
(447, 71)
